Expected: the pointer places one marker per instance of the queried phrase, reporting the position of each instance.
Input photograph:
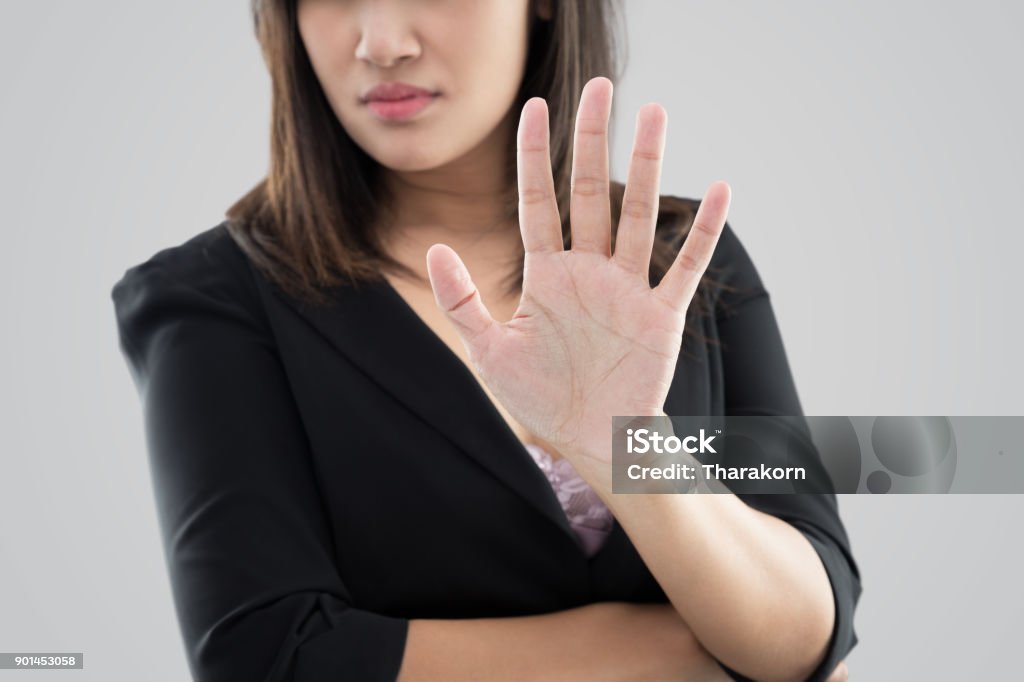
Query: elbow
(788, 651)
(806, 645)
(309, 636)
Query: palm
(590, 339)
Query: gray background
(875, 164)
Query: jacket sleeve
(246, 537)
(758, 381)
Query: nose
(387, 36)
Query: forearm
(750, 586)
(605, 641)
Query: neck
(491, 254)
(461, 204)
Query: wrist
(592, 456)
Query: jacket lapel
(374, 327)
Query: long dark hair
(309, 225)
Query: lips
(394, 91)
(400, 109)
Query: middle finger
(589, 204)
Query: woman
(377, 397)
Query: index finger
(539, 221)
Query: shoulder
(207, 263)
(206, 280)
(731, 277)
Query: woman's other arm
(608, 641)
(603, 642)
(246, 539)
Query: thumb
(456, 294)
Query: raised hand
(590, 339)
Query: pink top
(588, 515)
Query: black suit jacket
(324, 475)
